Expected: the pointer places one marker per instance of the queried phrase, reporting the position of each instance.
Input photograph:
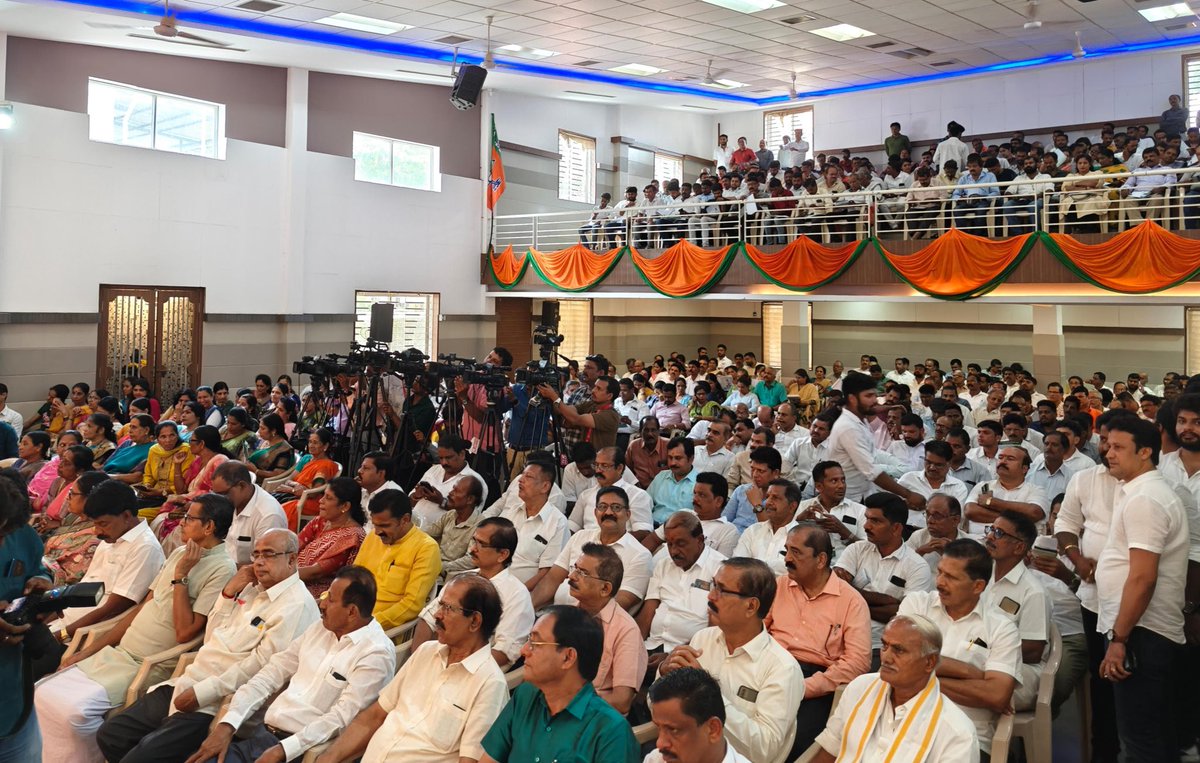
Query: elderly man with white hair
(900, 713)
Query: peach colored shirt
(624, 659)
(833, 630)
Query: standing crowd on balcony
(770, 196)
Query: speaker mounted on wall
(467, 86)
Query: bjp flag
(496, 185)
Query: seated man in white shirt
(943, 518)
(493, 543)
(761, 683)
(913, 705)
(766, 538)
(713, 456)
(610, 470)
(1010, 490)
(841, 518)
(445, 697)
(803, 454)
(254, 510)
(910, 448)
(580, 474)
(325, 678)
(981, 649)
(127, 559)
(429, 496)
(262, 609)
(933, 477)
(708, 503)
(882, 568)
(542, 530)
(676, 605)
(612, 519)
(686, 706)
(595, 224)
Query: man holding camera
(573, 433)
(595, 418)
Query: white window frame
(667, 166)
(576, 167)
(784, 121)
(364, 298)
(435, 163)
(216, 141)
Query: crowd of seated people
(744, 566)
(990, 189)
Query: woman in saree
(32, 453)
(274, 455)
(98, 434)
(127, 462)
(332, 540)
(39, 486)
(74, 461)
(158, 479)
(315, 468)
(237, 437)
(70, 546)
(207, 454)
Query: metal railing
(1095, 203)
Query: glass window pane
(411, 165)
(372, 159)
(185, 126)
(120, 115)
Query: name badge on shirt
(703, 585)
(1010, 606)
(244, 539)
(748, 694)
(849, 520)
(541, 540)
(897, 581)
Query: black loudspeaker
(381, 321)
(467, 86)
(550, 313)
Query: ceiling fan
(710, 79)
(1033, 20)
(167, 30)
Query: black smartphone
(1130, 664)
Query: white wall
(1089, 90)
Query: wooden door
(155, 332)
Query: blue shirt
(739, 510)
(20, 560)
(984, 177)
(528, 424)
(669, 495)
(588, 730)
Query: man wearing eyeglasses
(823, 623)
(595, 578)
(320, 681)
(493, 544)
(1010, 490)
(1016, 593)
(254, 510)
(943, 516)
(761, 683)
(610, 471)
(612, 518)
(262, 609)
(556, 714)
(933, 477)
(72, 703)
(445, 697)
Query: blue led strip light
(421, 52)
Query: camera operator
(595, 419)
(473, 398)
(529, 425)
(21, 562)
(593, 367)
(413, 427)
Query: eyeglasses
(935, 465)
(581, 572)
(719, 591)
(193, 517)
(936, 517)
(611, 507)
(443, 607)
(999, 534)
(268, 555)
(529, 642)
(480, 544)
(604, 467)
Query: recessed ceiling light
(842, 32)
(746, 6)
(363, 23)
(724, 84)
(522, 52)
(1165, 12)
(638, 70)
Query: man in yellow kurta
(404, 560)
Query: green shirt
(894, 144)
(589, 730)
(773, 395)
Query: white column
(293, 335)
(796, 337)
(1049, 350)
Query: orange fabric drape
(957, 265)
(507, 267)
(1137, 261)
(804, 264)
(575, 268)
(685, 269)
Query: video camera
(472, 372)
(23, 610)
(326, 366)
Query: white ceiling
(761, 50)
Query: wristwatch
(180, 581)
(1190, 607)
(1114, 638)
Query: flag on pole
(496, 183)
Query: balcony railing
(1094, 203)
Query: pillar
(294, 330)
(796, 337)
(1049, 350)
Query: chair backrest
(514, 678)
(402, 653)
(645, 732)
(4, 464)
(1050, 669)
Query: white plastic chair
(1034, 727)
